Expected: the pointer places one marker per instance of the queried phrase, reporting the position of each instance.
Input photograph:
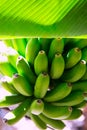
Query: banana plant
(44, 18)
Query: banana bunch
(47, 78)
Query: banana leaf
(43, 18)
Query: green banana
(80, 85)
(73, 57)
(81, 43)
(20, 45)
(22, 85)
(72, 99)
(41, 85)
(57, 45)
(38, 122)
(8, 42)
(11, 100)
(77, 42)
(75, 73)
(59, 92)
(45, 43)
(84, 54)
(24, 69)
(15, 115)
(27, 39)
(5, 83)
(12, 55)
(56, 112)
(81, 105)
(76, 113)
(57, 66)
(84, 77)
(5, 67)
(56, 124)
(37, 107)
(32, 49)
(41, 63)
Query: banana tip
(5, 120)
(77, 49)
(15, 75)
(69, 84)
(41, 52)
(20, 57)
(39, 101)
(83, 62)
(57, 54)
(70, 108)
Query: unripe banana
(22, 85)
(57, 45)
(76, 113)
(72, 99)
(27, 39)
(8, 42)
(77, 42)
(84, 54)
(81, 105)
(11, 100)
(56, 112)
(24, 69)
(5, 83)
(84, 77)
(85, 96)
(19, 112)
(80, 85)
(75, 73)
(56, 124)
(41, 62)
(72, 58)
(12, 56)
(81, 43)
(20, 45)
(57, 66)
(45, 43)
(37, 107)
(38, 122)
(41, 85)
(32, 49)
(59, 92)
(5, 67)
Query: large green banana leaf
(43, 18)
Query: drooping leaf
(43, 18)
